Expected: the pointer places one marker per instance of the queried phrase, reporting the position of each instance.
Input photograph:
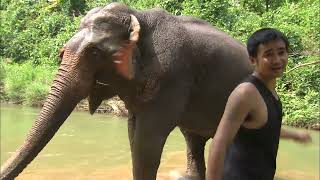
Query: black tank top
(253, 153)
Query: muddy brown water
(96, 148)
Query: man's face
(272, 59)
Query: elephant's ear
(123, 59)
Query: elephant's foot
(188, 177)
(177, 176)
(195, 155)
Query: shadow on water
(97, 147)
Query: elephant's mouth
(98, 93)
(100, 83)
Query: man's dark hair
(263, 36)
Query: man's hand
(298, 136)
(302, 137)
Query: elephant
(170, 71)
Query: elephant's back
(208, 38)
(210, 91)
(219, 64)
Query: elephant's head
(104, 45)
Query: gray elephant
(169, 70)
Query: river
(96, 147)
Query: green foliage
(27, 83)
(33, 31)
(2, 73)
(299, 92)
(300, 110)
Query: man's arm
(298, 136)
(236, 110)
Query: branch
(301, 65)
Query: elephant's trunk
(58, 106)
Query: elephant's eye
(94, 51)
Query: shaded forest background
(33, 31)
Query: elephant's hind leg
(195, 155)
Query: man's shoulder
(244, 94)
(241, 102)
(245, 89)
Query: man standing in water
(246, 142)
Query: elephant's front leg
(153, 125)
(131, 130)
(149, 140)
(195, 155)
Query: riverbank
(116, 106)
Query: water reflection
(97, 147)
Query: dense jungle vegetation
(33, 31)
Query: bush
(27, 83)
(2, 72)
(32, 31)
(2, 77)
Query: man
(246, 142)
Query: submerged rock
(112, 106)
(315, 126)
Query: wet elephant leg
(195, 155)
(149, 140)
(131, 130)
(153, 124)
